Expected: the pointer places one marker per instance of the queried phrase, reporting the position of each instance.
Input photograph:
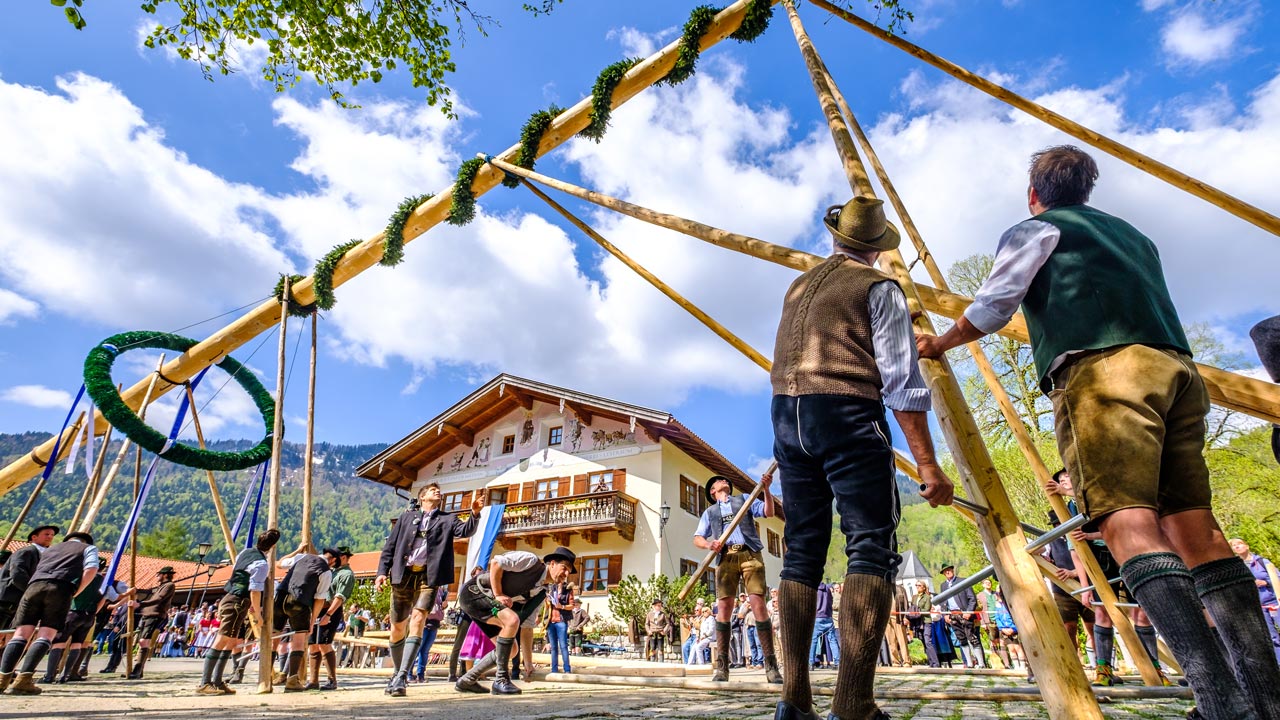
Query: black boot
(721, 671)
(470, 680)
(787, 711)
(143, 654)
(113, 662)
(502, 684)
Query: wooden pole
(91, 486)
(724, 333)
(133, 563)
(307, 459)
(1176, 178)
(724, 536)
(273, 503)
(1051, 653)
(429, 214)
(86, 523)
(218, 509)
(35, 492)
(1011, 416)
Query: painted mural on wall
(603, 439)
(480, 455)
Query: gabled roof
(398, 464)
(911, 567)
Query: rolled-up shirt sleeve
(902, 386)
(1021, 252)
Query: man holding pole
(844, 351)
(738, 561)
(242, 602)
(154, 613)
(1130, 409)
(17, 571)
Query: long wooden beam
(1176, 178)
(1050, 651)
(429, 214)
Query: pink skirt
(476, 644)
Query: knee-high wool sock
(314, 667)
(1227, 589)
(410, 653)
(210, 662)
(34, 655)
(764, 637)
(72, 666)
(1147, 635)
(1104, 645)
(12, 653)
(722, 645)
(502, 648)
(864, 615)
(1164, 587)
(295, 663)
(797, 606)
(220, 664)
(51, 670)
(397, 654)
(331, 664)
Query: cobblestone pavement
(169, 692)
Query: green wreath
(100, 386)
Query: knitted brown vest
(824, 339)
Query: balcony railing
(589, 513)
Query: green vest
(1103, 286)
(87, 601)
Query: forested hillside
(179, 512)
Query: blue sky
(136, 195)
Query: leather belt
(737, 548)
(417, 568)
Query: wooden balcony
(586, 515)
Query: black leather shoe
(399, 687)
(503, 686)
(787, 711)
(331, 685)
(880, 715)
(720, 675)
(469, 686)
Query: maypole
(265, 642)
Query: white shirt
(902, 385)
(257, 575)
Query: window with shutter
(615, 570)
(580, 486)
(565, 486)
(526, 493)
(453, 502)
(620, 480)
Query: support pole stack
(265, 643)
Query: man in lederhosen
(70, 641)
(501, 600)
(344, 583)
(153, 612)
(418, 558)
(17, 570)
(739, 561)
(242, 601)
(65, 570)
(300, 598)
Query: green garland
(530, 136)
(687, 56)
(393, 238)
(463, 209)
(754, 21)
(100, 386)
(296, 309)
(323, 274)
(602, 97)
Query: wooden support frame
(265, 643)
(463, 435)
(579, 411)
(1062, 681)
(308, 464)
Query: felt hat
(1266, 337)
(331, 552)
(565, 554)
(712, 481)
(861, 225)
(41, 529)
(82, 536)
(657, 601)
(166, 570)
(948, 566)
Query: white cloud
(13, 305)
(37, 396)
(1152, 5)
(101, 219)
(1192, 39)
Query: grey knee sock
(410, 653)
(36, 653)
(1227, 589)
(210, 662)
(12, 653)
(1147, 635)
(482, 666)
(1104, 645)
(1163, 586)
(72, 666)
(397, 654)
(220, 664)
